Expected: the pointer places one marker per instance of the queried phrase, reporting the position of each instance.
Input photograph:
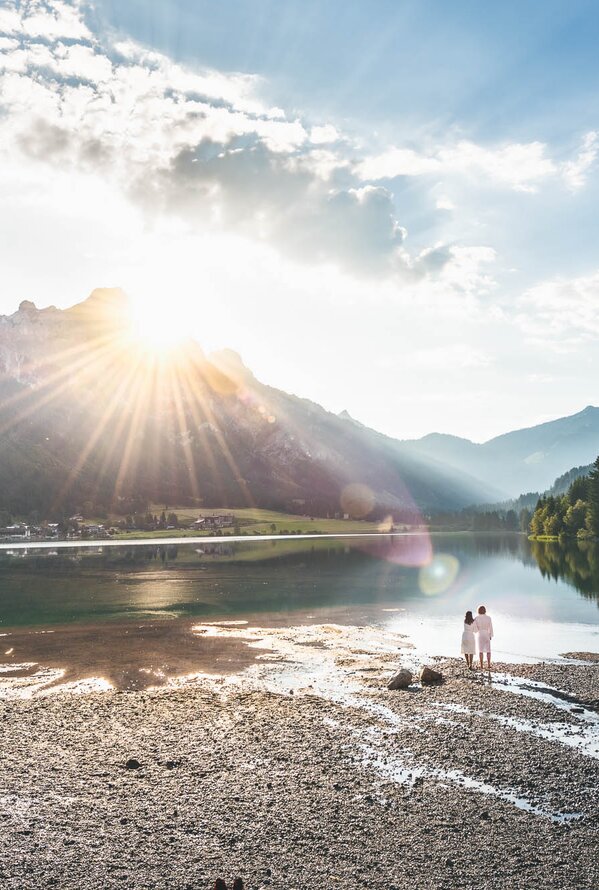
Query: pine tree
(593, 500)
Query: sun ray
(176, 388)
(210, 417)
(142, 399)
(54, 389)
(200, 421)
(97, 432)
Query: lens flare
(439, 574)
(357, 500)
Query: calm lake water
(116, 611)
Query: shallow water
(124, 613)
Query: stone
(400, 680)
(132, 763)
(428, 675)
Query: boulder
(400, 680)
(428, 675)
(132, 763)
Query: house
(219, 520)
(95, 531)
(15, 531)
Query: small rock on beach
(428, 676)
(400, 680)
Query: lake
(125, 613)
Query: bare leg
(470, 657)
(489, 660)
(480, 655)
(467, 662)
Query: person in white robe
(468, 647)
(483, 628)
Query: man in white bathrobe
(483, 628)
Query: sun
(158, 329)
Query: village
(76, 527)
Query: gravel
(434, 787)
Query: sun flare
(157, 329)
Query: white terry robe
(468, 646)
(483, 628)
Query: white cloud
(53, 20)
(574, 172)
(444, 203)
(324, 134)
(562, 313)
(460, 267)
(397, 162)
(198, 144)
(519, 166)
(201, 146)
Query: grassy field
(255, 521)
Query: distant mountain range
(88, 417)
(521, 461)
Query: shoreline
(302, 770)
(160, 648)
(240, 539)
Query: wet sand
(300, 770)
(125, 655)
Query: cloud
(519, 166)
(201, 146)
(462, 268)
(251, 189)
(522, 167)
(198, 144)
(561, 313)
(35, 18)
(574, 172)
(444, 203)
(397, 162)
(324, 134)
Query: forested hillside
(574, 514)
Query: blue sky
(496, 70)
(388, 207)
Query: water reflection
(576, 562)
(130, 608)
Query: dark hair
(219, 884)
(237, 884)
(481, 610)
(468, 619)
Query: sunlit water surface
(126, 613)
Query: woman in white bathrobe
(468, 647)
(483, 628)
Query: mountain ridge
(86, 415)
(526, 459)
(77, 392)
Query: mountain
(524, 460)
(88, 416)
(529, 499)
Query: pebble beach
(304, 772)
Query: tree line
(477, 520)
(574, 514)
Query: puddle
(558, 698)
(582, 736)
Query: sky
(386, 207)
